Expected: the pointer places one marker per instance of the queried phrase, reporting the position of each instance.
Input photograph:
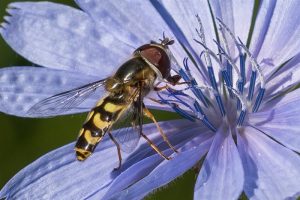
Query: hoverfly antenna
(166, 41)
(164, 36)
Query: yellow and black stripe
(98, 122)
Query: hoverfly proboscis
(126, 90)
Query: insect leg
(140, 107)
(118, 148)
(148, 114)
(174, 80)
(155, 147)
(182, 83)
(156, 88)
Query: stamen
(241, 81)
(183, 41)
(176, 108)
(239, 96)
(221, 23)
(174, 94)
(262, 79)
(209, 88)
(226, 78)
(240, 86)
(254, 64)
(190, 107)
(188, 77)
(241, 118)
(229, 71)
(243, 72)
(201, 35)
(220, 105)
(210, 52)
(181, 112)
(223, 39)
(199, 114)
(243, 105)
(252, 85)
(212, 78)
(225, 43)
(228, 58)
(211, 74)
(203, 118)
(258, 99)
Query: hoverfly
(125, 92)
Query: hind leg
(118, 149)
(148, 114)
(155, 147)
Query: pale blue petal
(133, 21)
(137, 22)
(285, 78)
(135, 173)
(165, 172)
(271, 170)
(221, 175)
(181, 133)
(181, 18)
(237, 15)
(281, 121)
(184, 137)
(276, 33)
(58, 175)
(22, 87)
(61, 37)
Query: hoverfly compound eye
(157, 55)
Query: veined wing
(63, 102)
(128, 137)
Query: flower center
(227, 99)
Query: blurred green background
(24, 140)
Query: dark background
(24, 140)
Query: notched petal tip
(10, 12)
(3, 26)
(14, 5)
(7, 19)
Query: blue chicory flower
(240, 111)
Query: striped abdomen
(98, 122)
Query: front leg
(157, 89)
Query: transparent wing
(63, 102)
(128, 137)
